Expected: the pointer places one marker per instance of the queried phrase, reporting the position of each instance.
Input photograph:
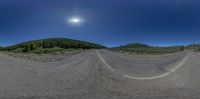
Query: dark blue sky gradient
(108, 22)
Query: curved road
(143, 67)
(100, 75)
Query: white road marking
(143, 78)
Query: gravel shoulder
(51, 57)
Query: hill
(195, 47)
(51, 45)
(135, 45)
(139, 48)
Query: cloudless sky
(108, 22)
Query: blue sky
(108, 22)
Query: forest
(51, 45)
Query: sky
(107, 22)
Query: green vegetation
(62, 44)
(1, 48)
(51, 45)
(194, 47)
(135, 45)
(146, 49)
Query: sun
(75, 20)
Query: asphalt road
(102, 75)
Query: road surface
(102, 74)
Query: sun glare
(75, 20)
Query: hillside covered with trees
(1, 47)
(135, 45)
(139, 48)
(51, 45)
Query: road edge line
(143, 78)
